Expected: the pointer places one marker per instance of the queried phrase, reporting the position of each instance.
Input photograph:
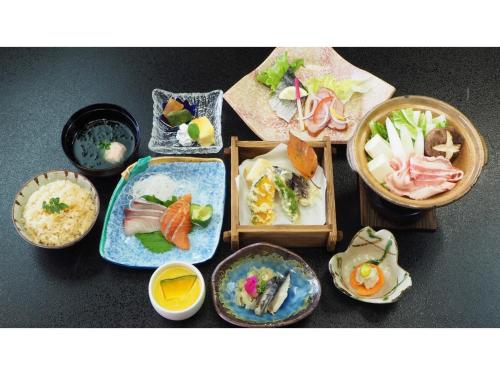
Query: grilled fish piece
(280, 295)
(267, 296)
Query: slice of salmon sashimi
(175, 224)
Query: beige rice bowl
(56, 229)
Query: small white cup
(178, 314)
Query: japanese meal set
(166, 212)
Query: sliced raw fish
(134, 212)
(140, 224)
(176, 222)
(143, 204)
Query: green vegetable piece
(54, 206)
(201, 214)
(289, 201)
(379, 128)
(402, 118)
(343, 89)
(182, 116)
(261, 286)
(154, 242)
(365, 270)
(296, 64)
(272, 76)
(193, 131)
(104, 145)
(421, 122)
(153, 199)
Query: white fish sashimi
(143, 204)
(140, 224)
(280, 296)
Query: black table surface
(455, 270)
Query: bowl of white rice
(55, 209)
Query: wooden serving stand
(284, 235)
(369, 216)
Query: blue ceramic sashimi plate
(204, 178)
(303, 295)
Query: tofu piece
(380, 167)
(378, 146)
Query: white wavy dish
(368, 245)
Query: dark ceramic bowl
(82, 118)
(303, 295)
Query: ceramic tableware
(473, 154)
(249, 98)
(34, 184)
(303, 295)
(368, 245)
(204, 178)
(177, 314)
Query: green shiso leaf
(154, 242)
(154, 199)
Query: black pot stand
(376, 212)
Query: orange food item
(302, 156)
(172, 105)
(176, 223)
(360, 289)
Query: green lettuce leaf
(272, 76)
(344, 89)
